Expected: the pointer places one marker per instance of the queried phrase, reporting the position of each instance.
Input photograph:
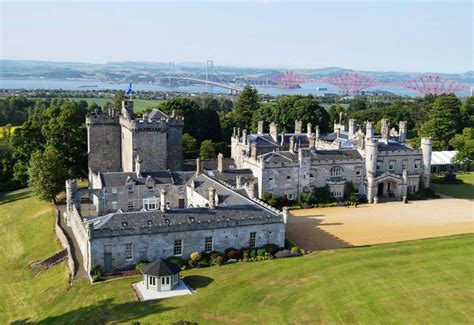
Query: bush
(232, 253)
(245, 253)
(214, 254)
(271, 248)
(289, 244)
(253, 253)
(295, 250)
(175, 260)
(429, 193)
(284, 253)
(96, 269)
(261, 252)
(140, 265)
(204, 262)
(96, 278)
(217, 261)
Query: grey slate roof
(336, 154)
(115, 179)
(393, 146)
(208, 164)
(160, 268)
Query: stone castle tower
(116, 140)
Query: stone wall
(80, 233)
(175, 146)
(160, 245)
(64, 243)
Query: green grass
(424, 281)
(139, 104)
(461, 191)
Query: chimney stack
(220, 162)
(369, 130)
(163, 200)
(244, 136)
(385, 128)
(238, 181)
(292, 144)
(338, 133)
(198, 166)
(352, 127)
(260, 127)
(402, 131)
(298, 126)
(309, 129)
(138, 166)
(212, 198)
(274, 131)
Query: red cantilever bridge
(353, 82)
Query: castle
(140, 206)
(288, 164)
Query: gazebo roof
(160, 268)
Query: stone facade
(116, 140)
(293, 163)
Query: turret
(385, 130)
(426, 148)
(402, 131)
(138, 166)
(371, 146)
(127, 109)
(71, 188)
(292, 144)
(274, 131)
(220, 162)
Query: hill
(424, 281)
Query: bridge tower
(171, 69)
(209, 70)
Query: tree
(357, 104)
(117, 102)
(464, 144)
(444, 121)
(208, 150)
(46, 174)
(190, 146)
(467, 112)
(247, 103)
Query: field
(462, 191)
(425, 281)
(139, 104)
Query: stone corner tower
(426, 149)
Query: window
(270, 178)
(114, 205)
(391, 165)
(178, 247)
(150, 204)
(336, 171)
(130, 187)
(208, 244)
(129, 251)
(379, 165)
(417, 163)
(152, 280)
(253, 236)
(163, 280)
(404, 164)
(150, 187)
(311, 175)
(114, 190)
(290, 196)
(130, 205)
(288, 177)
(358, 171)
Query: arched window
(336, 171)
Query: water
(306, 89)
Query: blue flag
(129, 91)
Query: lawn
(424, 281)
(139, 104)
(461, 191)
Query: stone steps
(40, 266)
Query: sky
(408, 36)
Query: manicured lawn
(461, 191)
(139, 104)
(424, 281)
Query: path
(325, 228)
(75, 250)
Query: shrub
(217, 261)
(245, 253)
(261, 252)
(96, 277)
(271, 248)
(204, 262)
(214, 254)
(253, 253)
(429, 193)
(283, 253)
(175, 260)
(140, 266)
(232, 253)
(195, 256)
(96, 269)
(295, 250)
(289, 244)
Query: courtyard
(337, 227)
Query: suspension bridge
(347, 82)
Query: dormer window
(130, 187)
(114, 190)
(149, 222)
(151, 187)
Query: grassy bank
(461, 191)
(425, 281)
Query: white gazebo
(160, 275)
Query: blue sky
(421, 36)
